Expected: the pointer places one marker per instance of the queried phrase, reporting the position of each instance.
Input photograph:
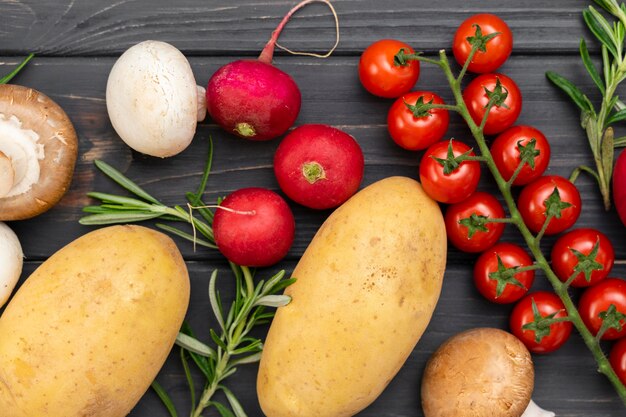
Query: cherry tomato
(498, 48)
(506, 153)
(511, 256)
(547, 303)
(500, 117)
(617, 358)
(597, 299)
(414, 132)
(482, 237)
(564, 260)
(534, 197)
(381, 76)
(455, 186)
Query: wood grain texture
(225, 27)
(77, 42)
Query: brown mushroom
(481, 372)
(38, 150)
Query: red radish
(319, 166)
(254, 227)
(619, 186)
(252, 98)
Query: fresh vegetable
(152, 99)
(254, 227)
(603, 308)
(411, 126)
(533, 240)
(494, 101)
(540, 321)
(319, 166)
(479, 373)
(252, 98)
(11, 261)
(373, 269)
(618, 359)
(521, 153)
(40, 147)
(102, 311)
(504, 273)
(233, 344)
(550, 205)
(597, 122)
(382, 75)
(448, 171)
(476, 223)
(619, 186)
(582, 257)
(496, 43)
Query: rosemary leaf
(591, 69)
(117, 218)
(119, 178)
(216, 305)
(167, 401)
(192, 387)
(194, 345)
(184, 235)
(234, 403)
(224, 412)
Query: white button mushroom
(38, 150)
(11, 260)
(153, 101)
(480, 373)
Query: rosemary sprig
(9, 76)
(232, 344)
(598, 123)
(532, 241)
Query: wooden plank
(566, 381)
(332, 95)
(224, 27)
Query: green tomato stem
(560, 288)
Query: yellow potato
(366, 289)
(88, 331)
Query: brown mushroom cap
(479, 373)
(37, 112)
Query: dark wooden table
(77, 42)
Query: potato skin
(366, 289)
(88, 331)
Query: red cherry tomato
(500, 117)
(507, 154)
(547, 303)
(597, 299)
(480, 204)
(498, 48)
(381, 76)
(412, 132)
(533, 199)
(617, 358)
(455, 186)
(511, 256)
(564, 260)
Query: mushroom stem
(533, 410)
(7, 174)
(201, 103)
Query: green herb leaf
(216, 305)
(234, 403)
(602, 30)
(17, 69)
(572, 91)
(119, 178)
(192, 387)
(218, 341)
(616, 117)
(273, 301)
(194, 345)
(116, 218)
(591, 69)
(247, 359)
(607, 152)
(187, 236)
(619, 142)
(165, 398)
(224, 412)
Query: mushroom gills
(21, 148)
(7, 175)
